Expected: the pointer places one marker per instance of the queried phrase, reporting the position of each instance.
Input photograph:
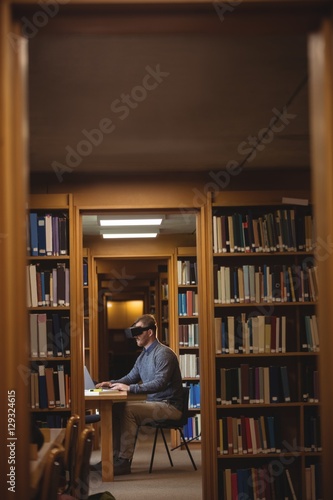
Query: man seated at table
(156, 373)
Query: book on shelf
(33, 244)
(41, 236)
(42, 335)
(257, 334)
(187, 272)
(48, 234)
(42, 387)
(49, 336)
(48, 287)
(49, 387)
(255, 284)
(280, 230)
(260, 384)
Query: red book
(234, 486)
(244, 440)
(189, 302)
(248, 435)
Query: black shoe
(121, 467)
(96, 467)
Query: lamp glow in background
(129, 235)
(131, 222)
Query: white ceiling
(171, 224)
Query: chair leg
(136, 438)
(153, 451)
(166, 447)
(187, 448)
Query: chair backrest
(185, 412)
(51, 477)
(70, 444)
(82, 467)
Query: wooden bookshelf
(188, 341)
(163, 316)
(86, 307)
(52, 345)
(262, 339)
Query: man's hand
(103, 384)
(120, 387)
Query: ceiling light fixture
(130, 222)
(129, 235)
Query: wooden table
(103, 401)
(37, 466)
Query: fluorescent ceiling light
(130, 222)
(130, 235)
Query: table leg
(106, 441)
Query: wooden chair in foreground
(70, 445)
(80, 489)
(52, 473)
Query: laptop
(89, 383)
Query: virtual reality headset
(134, 331)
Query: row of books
(313, 482)
(165, 312)
(254, 385)
(48, 287)
(188, 335)
(164, 337)
(192, 429)
(164, 291)
(188, 303)
(252, 335)
(189, 365)
(311, 341)
(47, 234)
(258, 483)
(248, 435)
(187, 272)
(49, 387)
(49, 335)
(310, 384)
(256, 284)
(194, 396)
(282, 230)
(312, 434)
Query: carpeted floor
(179, 482)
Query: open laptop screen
(88, 381)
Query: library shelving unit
(266, 346)
(152, 297)
(188, 335)
(164, 307)
(49, 281)
(86, 308)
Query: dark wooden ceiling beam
(246, 17)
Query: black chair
(161, 425)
